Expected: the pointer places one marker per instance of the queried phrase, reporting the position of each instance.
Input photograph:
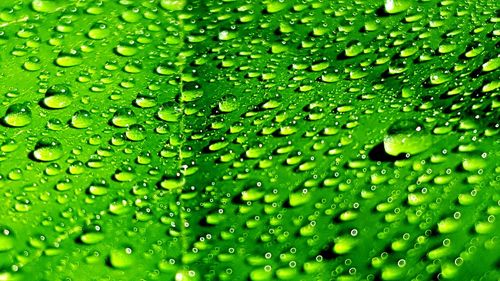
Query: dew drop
(81, 119)
(7, 241)
(57, 97)
(48, 149)
(69, 58)
(396, 6)
(228, 103)
(406, 136)
(121, 258)
(124, 117)
(18, 115)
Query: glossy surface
(249, 140)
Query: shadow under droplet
(327, 252)
(32, 157)
(108, 262)
(3, 123)
(380, 12)
(42, 104)
(378, 154)
(79, 241)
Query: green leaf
(249, 140)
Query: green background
(249, 140)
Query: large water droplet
(17, 115)
(124, 117)
(396, 6)
(6, 239)
(169, 112)
(406, 136)
(57, 97)
(92, 234)
(98, 31)
(81, 119)
(228, 103)
(48, 149)
(121, 258)
(46, 6)
(69, 59)
(173, 5)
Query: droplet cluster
(249, 140)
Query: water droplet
(64, 184)
(92, 234)
(169, 112)
(99, 187)
(125, 174)
(276, 6)
(46, 6)
(343, 245)
(396, 6)
(121, 258)
(98, 31)
(173, 5)
(57, 97)
(406, 136)
(124, 117)
(32, 64)
(69, 58)
(354, 48)
(439, 77)
(127, 49)
(145, 100)
(81, 119)
(491, 65)
(131, 15)
(18, 115)
(7, 241)
(48, 149)
(228, 103)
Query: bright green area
(249, 140)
